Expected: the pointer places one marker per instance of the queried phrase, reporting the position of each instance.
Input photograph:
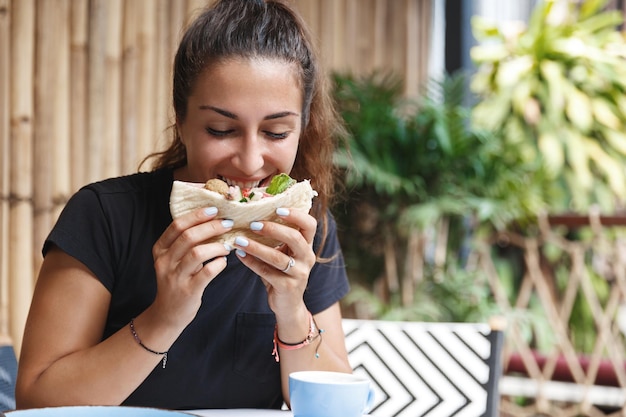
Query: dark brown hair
(261, 29)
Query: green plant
(421, 179)
(554, 91)
(424, 159)
(456, 295)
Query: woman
(133, 308)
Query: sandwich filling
(279, 184)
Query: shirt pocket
(254, 335)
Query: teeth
(241, 185)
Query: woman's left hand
(284, 269)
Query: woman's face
(243, 122)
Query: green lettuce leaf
(279, 184)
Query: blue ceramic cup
(329, 394)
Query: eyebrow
(233, 116)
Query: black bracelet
(136, 336)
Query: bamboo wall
(84, 95)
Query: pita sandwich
(243, 206)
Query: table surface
(112, 411)
(243, 412)
(101, 411)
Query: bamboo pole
(163, 87)
(327, 34)
(395, 57)
(380, 30)
(44, 133)
(5, 58)
(310, 12)
(146, 80)
(60, 96)
(339, 39)
(412, 51)
(21, 180)
(129, 85)
(78, 89)
(177, 22)
(51, 146)
(96, 82)
(350, 28)
(365, 41)
(111, 163)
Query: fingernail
(228, 247)
(227, 224)
(281, 211)
(241, 241)
(256, 226)
(210, 211)
(241, 253)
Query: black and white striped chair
(428, 369)
(8, 374)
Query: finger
(183, 223)
(209, 270)
(269, 273)
(270, 256)
(300, 219)
(297, 232)
(266, 261)
(290, 264)
(196, 235)
(200, 256)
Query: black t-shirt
(223, 359)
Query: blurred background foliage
(420, 181)
(554, 91)
(540, 131)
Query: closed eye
(219, 133)
(277, 135)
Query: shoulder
(142, 182)
(145, 193)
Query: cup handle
(370, 400)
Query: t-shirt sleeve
(83, 232)
(328, 281)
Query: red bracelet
(314, 333)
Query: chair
(8, 374)
(428, 369)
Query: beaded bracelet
(314, 333)
(136, 336)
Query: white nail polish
(281, 211)
(241, 241)
(210, 211)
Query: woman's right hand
(185, 264)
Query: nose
(249, 158)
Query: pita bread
(186, 197)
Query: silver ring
(291, 263)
